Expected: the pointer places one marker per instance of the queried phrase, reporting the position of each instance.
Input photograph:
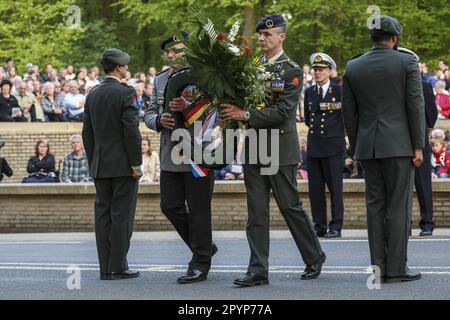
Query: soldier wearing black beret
(280, 114)
(112, 141)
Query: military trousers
(389, 193)
(284, 187)
(186, 202)
(326, 171)
(115, 207)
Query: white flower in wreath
(233, 49)
(234, 30)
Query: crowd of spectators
(58, 95)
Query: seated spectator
(440, 159)
(41, 167)
(12, 75)
(50, 105)
(75, 164)
(442, 100)
(139, 101)
(91, 79)
(69, 74)
(150, 163)
(5, 169)
(9, 106)
(231, 172)
(63, 91)
(151, 75)
(146, 97)
(302, 169)
(2, 74)
(30, 108)
(47, 76)
(74, 103)
(79, 78)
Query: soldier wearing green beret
(112, 140)
(383, 106)
(281, 115)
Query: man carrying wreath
(280, 114)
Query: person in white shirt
(74, 103)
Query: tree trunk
(249, 21)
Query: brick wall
(70, 208)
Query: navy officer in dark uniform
(326, 146)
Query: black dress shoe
(192, 276)
(251, 279)
(407, 276)
(333, 234)
(214, 249)
(425, 233)
(127, 274)
(104, 276)
(312, 271)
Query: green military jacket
(281, 114)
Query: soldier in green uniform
(112, 140)
(383, 107)
(280, 115)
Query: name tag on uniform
(277, 85)
(327, 106)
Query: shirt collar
(275, 58)
(325, 87)
(113, 78)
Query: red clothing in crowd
(441, 159)
(443, 101)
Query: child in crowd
(440, 159)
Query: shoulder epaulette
(357, 56)
(161, 72)
(292, 63)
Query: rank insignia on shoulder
(295, 81)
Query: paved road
(34, 266)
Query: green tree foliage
(36, 31)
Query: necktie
(321, 92)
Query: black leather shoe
(192, 276)
(251, 279)
(127, 274)
(312, 271)
(407, 276)
(214, 250)
(104, 276)
(333, 234)
(425, 233)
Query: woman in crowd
(50, 105)
(150, 163)
(9, 106)
(442, 100)
(41, 167)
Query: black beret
(115, 56)
(5, 81)
(269, 22)
(387, 26)
(171, 39)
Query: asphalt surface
(35, 266)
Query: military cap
(172, 39)
(115, 56)
(404, 50)
(386, 25)
(322, 60)
(269, 22)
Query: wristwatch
(246, 116)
